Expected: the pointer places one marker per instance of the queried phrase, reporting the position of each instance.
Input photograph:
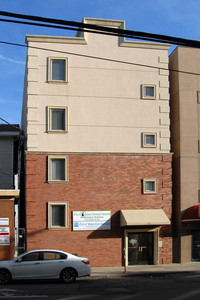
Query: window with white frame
(57, 119)
(57, 69)
(57, 215)
(57, 169)
(148, 91)
(150, 186)
(149, 139)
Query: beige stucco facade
(128, 66)
(185, 125)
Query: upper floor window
(57, 69)
(150, 186)
(58, 119)
(57, 169)
(149, 139)
(148, 91)
(57, 215)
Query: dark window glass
(58, 169)
(58, 215)
(58, 119)
(31, 256)
(58, 69)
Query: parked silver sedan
(45, 264)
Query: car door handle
(61, 262)
(37, 263)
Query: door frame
(155, 241)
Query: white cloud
(15, 61)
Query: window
(57, 69)
(149, 139)
(57, 168)
(148, 91)
(57, 119)
(54, 255)
(31, 256)
(149, 186)
(57, 215)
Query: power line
(101, 58)
(103, 29)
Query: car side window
(31, 256)
(54, 256)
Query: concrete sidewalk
(113, 272)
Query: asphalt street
(165, 286)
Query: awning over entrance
(135, 217)
(192, 214)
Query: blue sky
(169, 17)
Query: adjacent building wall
(185, 113)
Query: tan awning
(135, 217)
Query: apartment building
(185, 128)
(9, 190)
(98, 161)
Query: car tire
(68, 275)
(5, 276)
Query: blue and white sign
(91, 220)
(4, 221)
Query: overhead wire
(104, 29)
(100, 58)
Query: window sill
(57, 81)
(57, 228)
(57, 181)
(57, 131)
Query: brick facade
(96, 182)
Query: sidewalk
(113, 272)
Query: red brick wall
(96, 182)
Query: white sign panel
(4, 236)
(4, 221)
(91, 220)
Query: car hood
(5, 263)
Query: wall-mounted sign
(4, 221)
(91, 220)
(4, 236)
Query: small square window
(57, 119)
(57, 69)
(150, 186)
(57, 215)
(148, 91)
(149, 139)
(57, 169)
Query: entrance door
(140, 248)
(196, 245)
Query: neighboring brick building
(98, 161)
(185, 116)
(9, 191)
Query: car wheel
(4, 276)
(68, 275)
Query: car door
(28, 266)
(53, 263)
